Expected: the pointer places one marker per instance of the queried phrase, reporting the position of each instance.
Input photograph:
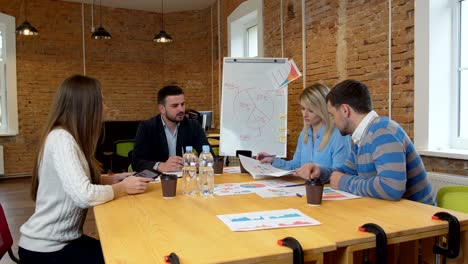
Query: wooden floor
(18, 206)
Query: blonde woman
(319, 142)
(66, 176)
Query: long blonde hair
(77, 108)
(314, 98)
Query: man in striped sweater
(383, 162)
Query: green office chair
(453, 198)
(121, 161)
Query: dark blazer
(151, 143)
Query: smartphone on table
(149, 173)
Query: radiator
(440, 180)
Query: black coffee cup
(218, 165)
(314, 191)
(168, 185)
(246, 153)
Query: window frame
(8, 96)
(246, 15)
(247, 41)
(456, 139)
(435, 89)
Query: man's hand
(335, 179)
(173, 163)
(308, 171)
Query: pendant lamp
(26, 28)
(100, 32)
(162, 36)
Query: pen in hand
(294, 185)
(260, 157)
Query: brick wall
(349, 39)
(130, 66)
(344, 39)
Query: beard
(176, 118)
(345, 129)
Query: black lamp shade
(27, 29)
(162, 37)
(101, 33)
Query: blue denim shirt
(333, 155)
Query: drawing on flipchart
(255, 109)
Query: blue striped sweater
(385, 165)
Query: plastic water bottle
(206, 172)
(189, 172)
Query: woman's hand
(134, 185)
(121, 176)
(264, 157)
(130, 185)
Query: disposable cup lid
(168, 177)
(316, 181)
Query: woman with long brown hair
(319, 142)
(66, 178)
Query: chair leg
(15, 259)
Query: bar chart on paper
(267, 219)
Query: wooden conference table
(144, 228)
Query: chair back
(453, 198)
(6, 241)
(122, 147)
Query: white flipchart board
(253, 107)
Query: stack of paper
(261, 170)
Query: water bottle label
(193, 163)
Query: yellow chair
(453, 198)
(120, 160)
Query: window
(8, 100)
(245, 30)
(252, 41)
(461, 136)
(441, 78)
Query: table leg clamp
(172, 258)
(380, 240)
(292, 243)
(453, 246)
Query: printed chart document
(235, 169)
(267, 220)
(224, 189)
(261, 170)
(285, 74)
(329, 194)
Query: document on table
(267, 220)
(234, 169)
(329, 194)
(261, 170)
(224, 189)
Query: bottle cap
(188, 149)
(206, 148)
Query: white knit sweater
(64, 193)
